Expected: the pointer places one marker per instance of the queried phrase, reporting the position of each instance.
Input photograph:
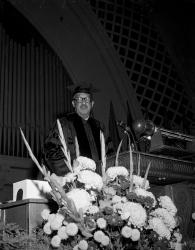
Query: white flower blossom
(83, 245)
(142, 192)
(91, 179)
(159, 227)
(47, 228)
(135, 234)
(101, 222)
(55, 241)
(92, 209)
(118, 207)
(45, 214)
(138, 182)
(98, 236)
(72, 229)
(62, 233)
(105, 240)
(56, 223)
(126, 232)
(166, 217)
(137, 214)
(113, 172)
(167, 203)
(125, 215)
(80, 197)
(51, 217)
(82, 163)
(109, 191)
(116, 199)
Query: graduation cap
(83, 87)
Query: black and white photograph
(97, 124)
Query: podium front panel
(25, 213)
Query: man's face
(83, 104)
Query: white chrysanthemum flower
(82, 163)
(118, 207)
(91, 179)
(101, 222)
(135, 234)
(80, 197)
(56, 223)
(166, 217)
(92, 209)
(138, 182)
(126, 232)
(118, 203)
(72, 229)
(143, 192)
(105, 240)
(60, 217)
(167, 203)
(55, 241)
(193, 216)
(113, 172)
(137, 214)
(125, 215)
(51, 217)
(47, 228)
(98, 236)
(62, 233)
(159, 227)
(45, 214)
(116, 199)
(83, 245)
(109, 190)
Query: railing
(163, 169)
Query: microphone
(127, 130)
(124, 126)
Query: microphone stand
(126, 130)
(146, 144)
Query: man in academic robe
(80, 126)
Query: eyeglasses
(82, 99)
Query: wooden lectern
(26, 213)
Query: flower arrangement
(112, 211)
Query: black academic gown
(88, 136)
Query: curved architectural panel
(72, 30)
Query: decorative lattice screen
(148, 64)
